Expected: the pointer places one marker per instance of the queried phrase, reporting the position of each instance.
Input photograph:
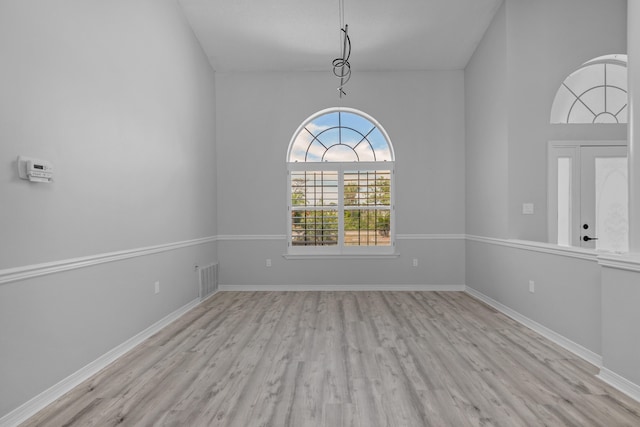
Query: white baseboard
(39, 402)
(616, 381)
(577, 349)
(289, 288)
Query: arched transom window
(340, 185)
(594, 93)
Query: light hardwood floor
(344, 359)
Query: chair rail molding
(35, 270)
(548, 248)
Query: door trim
(570, 148)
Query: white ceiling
(304, 35)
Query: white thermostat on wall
(35, 170)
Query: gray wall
(567, 289)
(620, 320)
(440, 262)
(423, 112)
(620, 286)
(120, 98)
(575, 297)
(547, 40)
(511, 81)
(486, 149)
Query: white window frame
(561, 113)
(340, 249)
(557, 150)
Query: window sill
(342, 256)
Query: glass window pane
(367, 188)
(580, 114)
(623, 114)
(594, 99)
(356, 121)
(314, 188)
(300, 147)
(585, 78)
(380, 146)
(564, 201)
(340, 153)
(616, 103)
(365, 152)
(561, 105)
(315, 152)
(612, 221)
(329, 137)
(315, 141)
(325, 121)
(314, 228)
(367, 227)
(350, 137)
(617, 76)
(601, 88)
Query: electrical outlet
(268, 262)
(415, 262)
(157, 286)
(532, 286)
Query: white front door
(604, 210)
(588, 195)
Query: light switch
(527, 208)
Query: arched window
(594, 93)
(340, 185)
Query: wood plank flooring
(344, 359)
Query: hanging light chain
(341, 65)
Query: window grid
(363, 196)
(314, 198)
(339, 197)
(364, 224)
(595, 93)
(315, 227)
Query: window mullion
(341, 209)
(289, 209)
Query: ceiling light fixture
(341, 66)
